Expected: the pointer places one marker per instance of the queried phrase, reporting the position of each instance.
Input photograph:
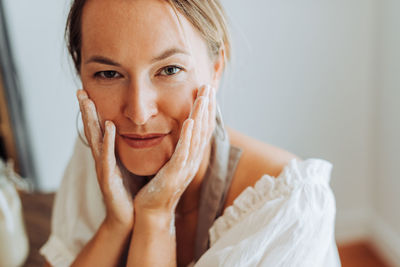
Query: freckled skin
(140, 101)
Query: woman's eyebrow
(102, 60)
(167, 53)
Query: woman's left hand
(163, 192)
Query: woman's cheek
(185, 92)
(105, 102)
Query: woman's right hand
(118, 201)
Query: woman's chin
(144, 162)
(142, 167)
(142, 172)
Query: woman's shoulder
(274, 195)
(258, 158)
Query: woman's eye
(170, 70)
(108, 74)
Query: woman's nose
(140, 104)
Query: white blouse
(283, 221)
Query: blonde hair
(207, 16)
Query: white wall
(304, 79)
(386, 217)
(36, 31)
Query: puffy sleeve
(284, 221)
(78, 209)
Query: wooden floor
(37, 214)
(359, 254)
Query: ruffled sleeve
(284, 221)
(78, 210)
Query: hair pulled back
(207, 16)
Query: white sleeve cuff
(56, 253)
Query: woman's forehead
(141, 28)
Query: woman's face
(141, 67)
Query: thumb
(108, 153)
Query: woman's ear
(218, 67)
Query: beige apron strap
(234, 157)
(217, 180)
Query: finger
(180, 156)
(212, 112)
(111, 181)
(196, 104)
(196, 113)
(197, 117)
(198, 125)
(81, 95)
(91, 123)
(108, 149)
(93, 126)
(206, 124)
(203, 136)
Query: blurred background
(318, 78)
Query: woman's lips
(139, 143)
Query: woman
(163, 167)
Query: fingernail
(83, 94)
(109, 125)
(80, 95)
(203, 91)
